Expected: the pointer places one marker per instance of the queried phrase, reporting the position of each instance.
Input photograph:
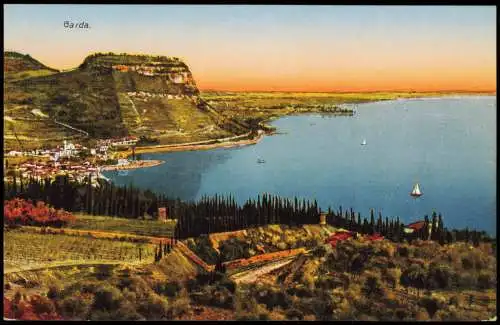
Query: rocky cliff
(108, 95)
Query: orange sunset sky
(277, 48)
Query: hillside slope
(108, 95)
(16, 62)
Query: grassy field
(26, 250)
(122, 225)
(256, 241)
(29, 74)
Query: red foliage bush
(21, 212)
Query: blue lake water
(447, 145)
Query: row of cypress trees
(218, 213)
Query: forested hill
(107, 95)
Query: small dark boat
(260, 161)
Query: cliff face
(152, 74)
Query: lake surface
(447, 145)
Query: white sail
(363, 142)
(416, 190)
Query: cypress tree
(379, 222)
(372, 222)
(366, 227)
(434, 230)
(440, 227)
(89, 194)
(21, 180)
(425, 234)
(14, 185)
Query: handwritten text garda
(78, 25)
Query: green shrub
(467, 263)
(179, 307)
(320, 251)
(228, 284)
(128, 312)
(294, 314)
(439, 277)
(153, 308)
(404, 251)
(467, 280)
(74, 307)
(171, 289)
(486, 280)
(107, 298)
(373, 287)
(221, 298)
(55, 292)
(97, 315)
(104, 271)
(431, 305)
(42, 304)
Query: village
(74, 160)
(143, 95)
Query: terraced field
(32, 133)
(24, 250)
(131, 226)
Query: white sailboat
(416, 191)
(363, 143)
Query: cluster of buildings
(70, 150)
(51, 169)
(60, 162)
(104, 145)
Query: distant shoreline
(133, 165)
(260, 136)
(195, 147)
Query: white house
(69, 150)
(123, 162)
(14, 153)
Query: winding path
(71, 127)
(253, 275)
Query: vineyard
(131, 226)
(27, 250)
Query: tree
(372, 222)
(373, 287)
(440, 225)
(379, 223)
(425, 235)
(449, 237)
(434, 230)
(467, 235)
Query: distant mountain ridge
(17, 62)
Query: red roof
(375, 237)
(416, 225)
(342, 235)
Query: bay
(447, 145)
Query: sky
(277, 48)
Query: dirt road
(253, 275)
